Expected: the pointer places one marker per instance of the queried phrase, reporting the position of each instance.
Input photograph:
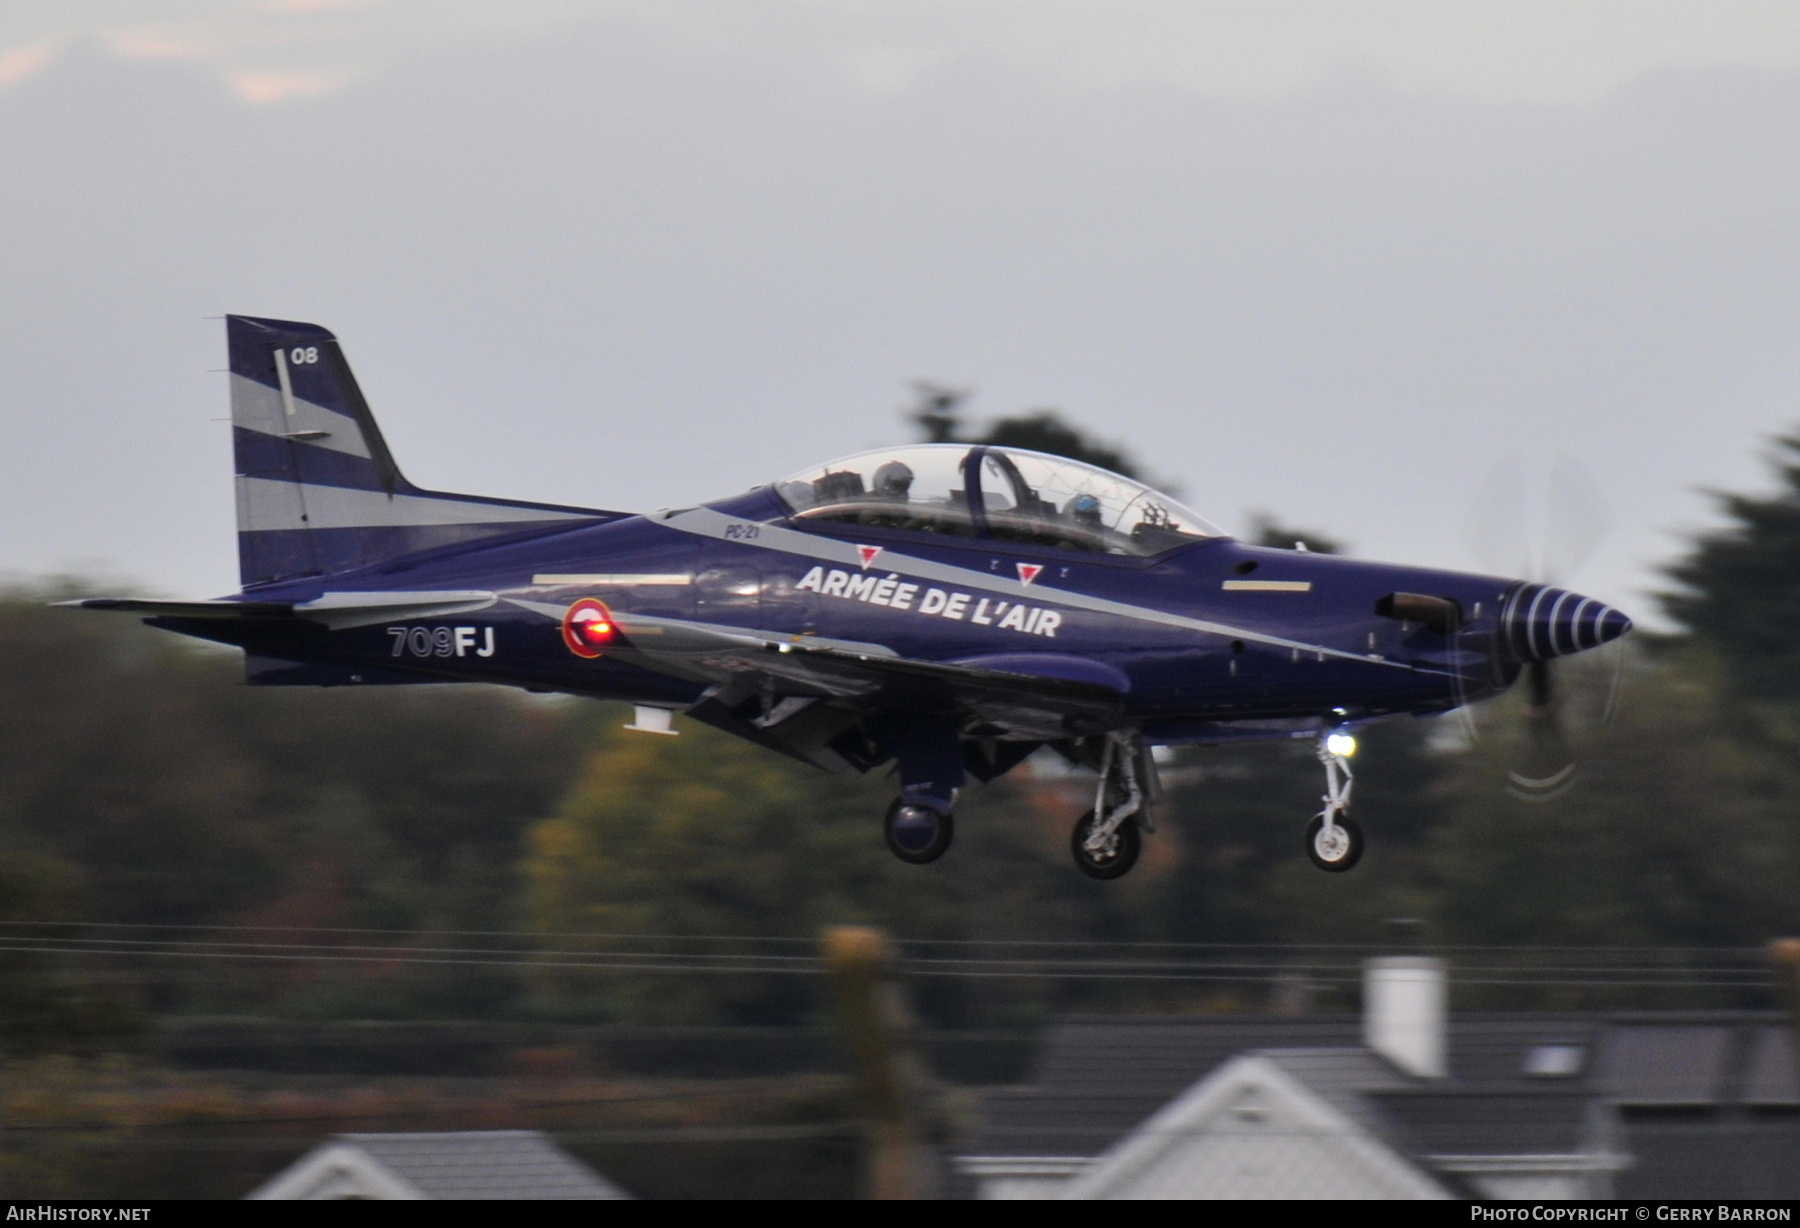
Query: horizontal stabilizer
(341, 611)
(335, 611)
(184, 609)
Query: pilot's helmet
(1085, 509)
(893, 480)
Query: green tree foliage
(938, 416)
(1266, 530)
(141, 782)
(44, 1007)
(1681, 832)
(704, 836)
(1740, 587)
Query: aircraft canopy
(1004, 494)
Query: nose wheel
(916, 833)
(1335, 848)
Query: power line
(1756, 952)
(489, 954)
(1638, 976)
(738, 1088)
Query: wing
(797, 693)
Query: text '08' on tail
(318, 492)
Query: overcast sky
(1338, 261)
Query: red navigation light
(588, 628)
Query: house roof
(1097, 1077)
(1773, 1076)
(1490, 1122)
(1345, 1079)
(474, 1164)
(1269, 1124)
(1684, 1155)
(1673, 1064)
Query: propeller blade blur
(1576, 521)
(1546, 769)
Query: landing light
(1341, 744)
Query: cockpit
(1002, 494)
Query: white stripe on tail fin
(317, 490)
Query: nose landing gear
(1334, 842)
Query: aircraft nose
(1539, 622)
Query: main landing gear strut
(928, 753)
(1107, 839)
(1333, 839)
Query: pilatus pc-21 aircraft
(947, 608)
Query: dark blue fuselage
(1289, 635)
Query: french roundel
(588, 628)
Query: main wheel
(1339, 850)
(1113, 861)
(917, 833)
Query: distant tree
(938, 415)
(1740, 586)
(1679, 832)
(140, 769)
(937, 411)
(46, 1006)
(1265, 530)
(1045, 430)
(704, 836)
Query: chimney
(1404, 1013)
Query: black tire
(1346, 860)
(1128, 843)
(917, 834)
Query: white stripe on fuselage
(705, 522)
(621, 579)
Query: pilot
(1084, 510)
(893, 482)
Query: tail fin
(317, 489)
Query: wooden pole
(1784, 953)
(877, 1029)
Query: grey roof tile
(1097, 1077)
(1475, 1122)
(1641, 1063)
(1494, 1050)
(1702, 1156)
(1773, 1076)
(486, 1164)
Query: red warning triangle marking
(869, 554)
(1029, 572)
